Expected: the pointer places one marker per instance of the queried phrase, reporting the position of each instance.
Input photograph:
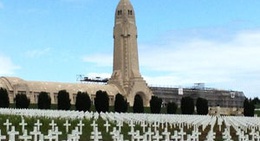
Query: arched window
(119, 12)
(130, 12)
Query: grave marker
(25, 136)
(67, 125)
(7, 124)
(23, 124)
(12, 134)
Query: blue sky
(180, 42)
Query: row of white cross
(142, 127)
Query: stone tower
(126, 75)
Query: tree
(22, 101)
(256, 100)
(101, 101)
(83, 101)
(138, 106)
(171, 108)
(44, 101)
(202, 106)
(121, 104)
(4, 98)
(155, 104)
(249, 107)
(187, 105)
(63, 100)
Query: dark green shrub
(138, 106)
(4, 98)
(101, 101)
(63, 100)
(249, 108)
(202, 106)
(83, 101)
(155, 104)
(171, 108)
(187, 105)
(22, 101)
(44, 101)
(121, 104)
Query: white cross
(12, 134)
(80, 124)
(155, 125)
(119, 125)
(115, 134)
(162, 124)
(50, 136)
(195, 134)
(253, 133)
(41, 137)
(93, 124)
(132, 134)
(25, 136)
(132, 125)
(166, 134)
(56, 133)
(181, 133)
(193, 137)
(149, 134)
(35, 133)
(7, 124)
(175, 136)
(38, 124)
(75, 134)
(144, 125)
(137, 136)
(52, 124)
(171, 125)
(157, 136)
(107, 125)
(257, 137)
(67, 125)
(2, 137)
(96, 135)
(23, 124)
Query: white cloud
(101, 60)
(6, 66)
(37, 52)
(229, 64)
(225, 63)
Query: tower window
(119, 12)
(130, 12)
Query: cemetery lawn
(18, 123)
(86, 130)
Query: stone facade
(15, 85)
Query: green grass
(15, 120)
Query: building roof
(11, 83)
